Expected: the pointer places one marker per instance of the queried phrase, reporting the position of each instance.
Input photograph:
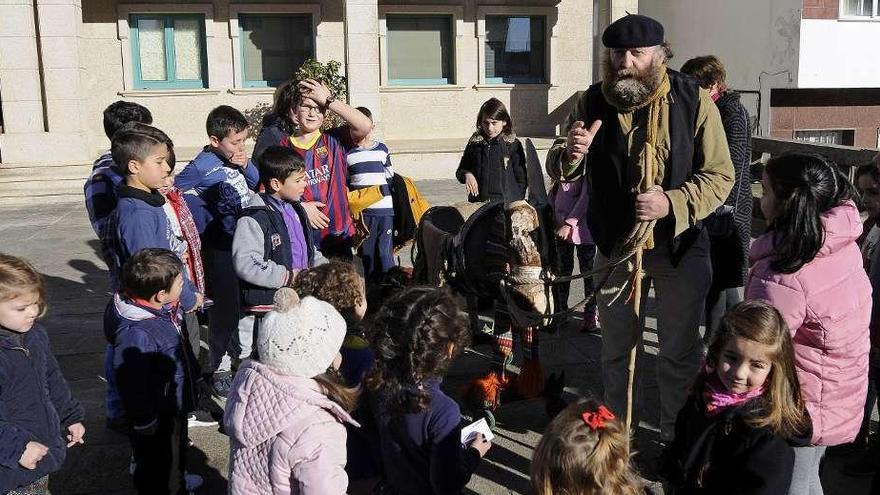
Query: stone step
(422, 159)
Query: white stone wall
(537, 110)
(836, 54)
(87, 65)
(756, 40)
(42, 109)
(182, 113)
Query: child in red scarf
(185, 229)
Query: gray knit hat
(300, 337)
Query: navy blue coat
(35, 405)
(221, 190)
(155, 369)
(140, 222)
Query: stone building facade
(422, 67)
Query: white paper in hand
(469, 432)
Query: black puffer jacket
(498, 164)
(730, 255)
(723, 454)
(35, 405)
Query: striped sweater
(372, 167)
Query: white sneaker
(200, 418)
(193, 481)
(132, 466)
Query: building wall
(97, 69)
(819, 109)
(537, 109)
(821, 9)
(39, 84)
(757, 40)
(181, 113)
(838, 54)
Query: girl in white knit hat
(285, 413)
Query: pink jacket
(285, 435)
(570, 201)
(827, 306)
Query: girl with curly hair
(415, 336)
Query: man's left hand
(651, 206)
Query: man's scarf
(649, 160)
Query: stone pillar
(60, 22)
(40, 80)
(362, 55)
(20, 88)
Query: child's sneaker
(193, 481)
(221, 383)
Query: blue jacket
(421, 452)
(140, 222)
(155, 369)
(35, 405)
(216, 192)
(100, 191)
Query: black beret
(633, 31)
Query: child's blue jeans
(377, 251)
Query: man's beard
(631, 87)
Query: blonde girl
(585, 451)
(39, 419)
(736, 431)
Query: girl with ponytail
(585, 451)
(415, 336)
(809, 267)
(736, 432)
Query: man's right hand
(316, 217)
(579, 139)
(33, 453)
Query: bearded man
(644, 117)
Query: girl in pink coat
(285, 412)
(809, 266)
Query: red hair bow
(596, 420)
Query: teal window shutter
(169, 51)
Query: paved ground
(58, 240)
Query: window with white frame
(844, 137)
(273, 46)
(858, 8)
(515, 49)
(168, 51)
(420, 49)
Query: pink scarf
(191, 235)
(718, 399)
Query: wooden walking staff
(642, 236)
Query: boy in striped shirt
(369, 165)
